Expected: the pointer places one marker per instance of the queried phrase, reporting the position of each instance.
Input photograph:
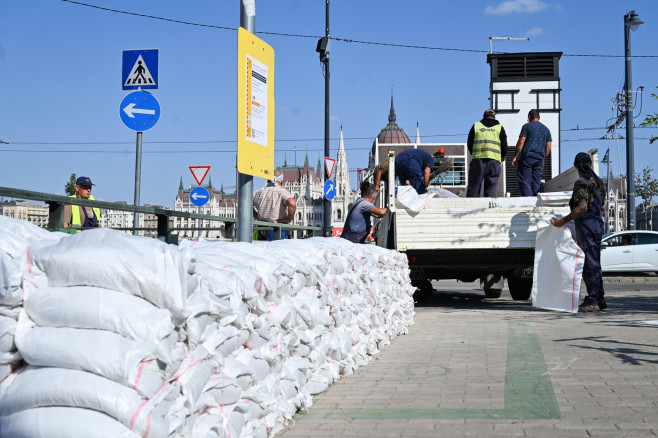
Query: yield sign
(329, 164)
(199, 173)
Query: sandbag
(90, 307)
(97, 351)
(141, 266)
(35, 387)
(558, 269)
(60, 422)
(11, 278)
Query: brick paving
(473, 367)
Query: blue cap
(84, 181)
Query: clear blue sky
(60, 81)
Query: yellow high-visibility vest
(486, 142)
(75, 212)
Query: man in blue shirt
(533, 147)
(412, 166)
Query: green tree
(651, 120)
(69, 187)
(646, 186)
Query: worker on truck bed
(487, 143)
(533, 147)
(414, 167)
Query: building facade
(520, 82)
(33, 212)
(392, 138)
(305, 183)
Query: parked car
(630, 251)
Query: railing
(164, 229)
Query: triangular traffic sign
(329, 164)
(140, 74)
(199, 173)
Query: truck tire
(519, 288)
(492, 292)
(424, 290)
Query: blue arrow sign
(139, 69)
(139, 111)
(199, 196)
(329, 189)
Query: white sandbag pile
(113, 335)
(15, 237)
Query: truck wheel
(424, 290)
(519, 288)
(492, 292)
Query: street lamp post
(631, 22)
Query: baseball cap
(84, 181)
(489, 113)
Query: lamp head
(632, 20)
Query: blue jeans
(529, 172)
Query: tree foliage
(646, 186)
(651, 120)
(69, 187)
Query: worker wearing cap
(77, 215)
(487, 143)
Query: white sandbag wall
(15, 237)
(128, 336)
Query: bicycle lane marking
(528, 392)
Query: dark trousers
(590, 243)
(483, 169)
(528, 172)
(269, 235)
(409, 169)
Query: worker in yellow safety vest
(487, 143)
(77, 215)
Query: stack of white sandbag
(15, 237)
(127, 336)
(97, 332)
(289, 318)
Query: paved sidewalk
(472, 367)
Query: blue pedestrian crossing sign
(139, 69)
(199, 196)
(139, 111)
(329, 190)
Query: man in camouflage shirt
(587, 202)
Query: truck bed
(474, 223)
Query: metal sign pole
(138, 178)
(246, 182)
(326, 229)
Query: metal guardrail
(56, 205)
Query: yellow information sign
(255, 105)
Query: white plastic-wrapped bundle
(101, 352)
(62, 422)
(35, 387)
(87, 307)
(11, 279)
(140, 266)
